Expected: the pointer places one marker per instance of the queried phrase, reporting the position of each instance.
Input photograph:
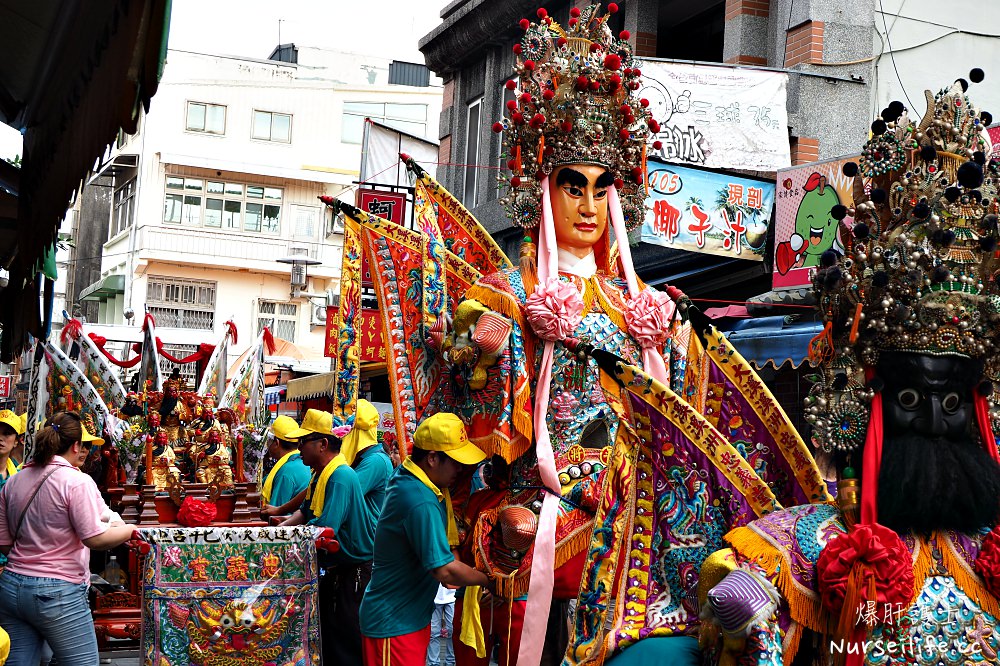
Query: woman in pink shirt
(51, 515)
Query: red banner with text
(388, 205)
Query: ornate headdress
(575, 103)
(920, 269)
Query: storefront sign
(372, 337)
(719, 117)
(703, 211)
(369, 329)
(6, 384)
(388, 205)
(803, 227)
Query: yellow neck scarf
(269, 481)
(316, 504)
(11, 468)
(442, 495)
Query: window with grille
(188, 371)
(232, 206)
(181, 303)
(281, 318)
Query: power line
(892, 57)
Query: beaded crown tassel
(574, 102)
(920, 270)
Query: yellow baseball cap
(446, 433)
(13, 420)
(282, 426)
(24, 423)
(316, 421)
(87, 437)
(364, 433)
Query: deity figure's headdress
(575, 103)
(920, 269)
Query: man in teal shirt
(369, 460)
(334, 499)
(413, 542)
(289, 476)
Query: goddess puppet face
(580, 206)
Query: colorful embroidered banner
(230, 596)
(345, 392)
(95, 365)
(675, 488)
(214, 375)
(462, 233)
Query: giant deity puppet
(904, 568)
(576, 459)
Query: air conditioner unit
(318, 316)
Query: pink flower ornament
(341, 431)
(648, 317)
(554, 310)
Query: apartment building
(221, 181)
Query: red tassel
(268, 340)
(147, 321)
(872, 460)
(72, 330)
(985, 427)
(232, 331)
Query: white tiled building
(222, 179)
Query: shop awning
(274, 395)
(306, 388)
(773, 340)
(105, 288)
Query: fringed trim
(790, 646)
(497, 443)
(614, 314)
(966, 578)
(573, 545)
(923, 565)
(497, 301)
(805, 610)
(522, 420)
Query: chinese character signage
(994, 134)
(702, 211)
(372, 339)
(6, 382)
(718, 117)
(330, 341)
(388, 205)
(803, 226)
(370, 331)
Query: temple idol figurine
(905, 568)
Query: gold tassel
(966, 578)
(541, 148)
(804, 609)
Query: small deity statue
(213, 460)
(174, 413)
(163, 466)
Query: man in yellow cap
(413, 543)
(334, 499)
(289, 476)
(369, 460)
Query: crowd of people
(394, 568)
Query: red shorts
(406, 650)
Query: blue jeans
(33, 610)
(441, 651)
